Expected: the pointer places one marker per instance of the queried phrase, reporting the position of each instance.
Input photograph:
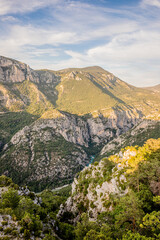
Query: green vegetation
(12, 122)
(134, 215)
(78, 96)
(133, 137)
(86, 179)
(24, 219)
(78, 88)
(37, 101)
(89, 92)
(55, 153)
(64, 191)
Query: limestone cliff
(51, 151)
(100, 186)
(12, 71)
(138, 135)
(96, 186)
(54, 121)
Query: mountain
(138, 135)
(117, 198)
(52, 123)
(49, 152)
(155, 88)
(77, 91)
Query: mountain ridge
(86, 108)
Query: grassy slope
(23, 105)
(38, 102)
(80, 97)
(24, 96)
(154, 88)
(10, 99)
(80, 91)
(93, 89)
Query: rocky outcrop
(12, 71)
(94, 189)
(42, 156)
(48, 77)
(50, 151)
(82, 131)
(103, 129)
(99, 187)
(72, 129)
(140, 133)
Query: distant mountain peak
(154, 88)
(90, 69)
(94, 68)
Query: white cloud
(129, 37)
(8, 19)
(28, 35)
(155, 3)
(19, 6)
(134, 57)
(141, 46)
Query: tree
(84, 226)
(151, 223)
(135, 236)
(92, 235)
(66, 230)
(25, 205)
(128, 213)
(30, 224)
(10, 199)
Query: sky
(122, 36)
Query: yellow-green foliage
(51, 113)
(11, 102)
(132, 156)
(38, 103)
(80, 91)
(81, 96)
(93, 90)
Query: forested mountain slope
(119, 197)
(53, 122)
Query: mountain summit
(74, 90)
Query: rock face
(80, 131)
(50, 150)
(102, 129)
(40, 156)
(12, 71)
(78, 112)
(83, 131)
(93, 190)
(99, 187)
(140, 133)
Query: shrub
(7, 230)
(4, 223)
(10, 198)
